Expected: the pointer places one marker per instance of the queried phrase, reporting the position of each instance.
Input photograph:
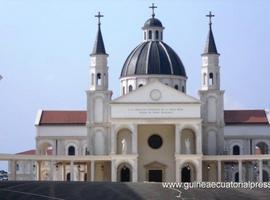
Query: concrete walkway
(12, 190)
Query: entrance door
(155, 175)
(186, 174)
(125, 174)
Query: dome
(153, 58)
(152, 22)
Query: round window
(155, 141)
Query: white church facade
(154, 131)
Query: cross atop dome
(153, 9)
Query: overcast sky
(45, 47)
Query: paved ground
(24, 190)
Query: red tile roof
(29, 152)
(79, 117)
(63, 118)
(33, 152)
(245, 117)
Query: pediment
(156, 92)
(155, 165)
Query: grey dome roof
(152, 22)
(153, 57)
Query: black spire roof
(210, 45)
(99, 47)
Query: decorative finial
(153, 9)
(210, 17)
(99, 16)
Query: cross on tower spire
(210, 17)
(153, 9)
(99, 16)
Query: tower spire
(210, 45)
(99, 47)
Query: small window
(98, 79)
(140, 85)
(71, 150)
(17, 167)
(211, 79)
(150, 35)
(236, 150)
(176, 87)
(130, 88)
(156, 35)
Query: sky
(45, 47)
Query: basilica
(154, 131)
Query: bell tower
(212, 108)
(98, 98)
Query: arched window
(98, 79)
(211, 79)
(183, 88)
(261, 148)
(150, 35)
(236, 150)
(68, 176)
(17, 167)
(176, 87)
(156, 35)
(130, 88)
(71, 150)
(140, 85)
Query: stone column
(198, 139)
(113, 140)
(113, 171)
(71, 171)
(92, 170)
(199, 171)
(64, 171)
(260, 171)
(219, 170)
(13, 170)
(135, 139)
(51, 170)
(177, 171)
(240, 170)
(135, 171)
(88, 171)
(177, 139)
(39, 170)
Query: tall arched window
(68, 177)
(130, 88)
(150, 35)
(156, 35)
(211, 79)
(236, 150)
(71, 150)
(98, 79)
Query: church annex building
(154, 131)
